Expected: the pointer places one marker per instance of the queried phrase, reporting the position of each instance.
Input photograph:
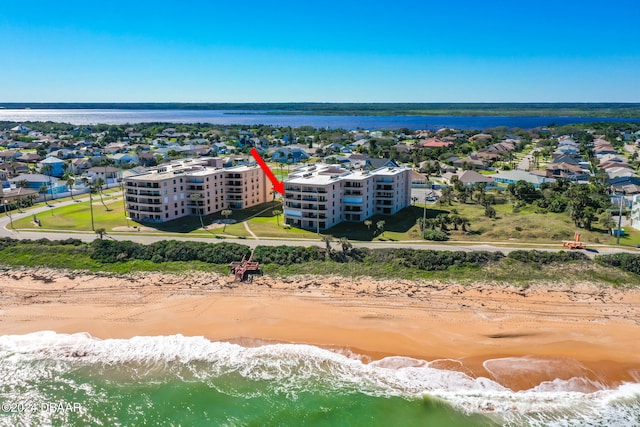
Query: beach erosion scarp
(518, 337)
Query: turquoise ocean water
(57, 379)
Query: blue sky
(329, 51)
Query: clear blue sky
(326, 51)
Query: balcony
(149, 202)
(154, 210)
(148, 193)
(234, 183)
(353, 209)
(313, 215)
(384, 195)
(195, 188)
(293, 205)
(352, 193)
(384, 187)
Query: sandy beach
(516, 336)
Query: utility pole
(93, 228)
(424, 216)
(619, 221)
(8, 209)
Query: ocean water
(58, 379)
(222, 117)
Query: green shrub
(435, 260)
(436, 235)
(624, 261)
(546, 257)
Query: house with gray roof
(511, 177)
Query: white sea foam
(293, 368)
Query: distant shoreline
(601, 110)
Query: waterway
(227, 117)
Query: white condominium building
(193, 187)
(321, 196)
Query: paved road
(6, 231)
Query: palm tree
(346, 245)
(380, 227)
(47, 170)
(414, 199)
(277, 213)
(327, 239)
(101, 232)
(98, 185)
(71, 181)
(195, 197)
(368, 223)
(226, 214)
(85, 181)
(43, 190)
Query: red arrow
(277, 185)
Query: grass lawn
(78, 217)
(524, 226)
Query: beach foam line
(296, 368)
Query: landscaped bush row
(110, 251)
(168, 250)
(435, 260)
(287, 255)
(627, 262)
(5, 242)
(547, 257)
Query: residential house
(380, 163)
(472, 161)
(11, 195)
(289, 155)
(78, 166)
(472, 178)
(37, 181)
(31, 158)
(436, 143)
(567, 171)
(54, 164)
(9, 155)
(109, 174)
(419, 180)
(20, 129)
(124, 159)
(512, 177)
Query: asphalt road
(6, 231)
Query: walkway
(141, 237)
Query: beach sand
(517, 336)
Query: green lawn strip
(78, 217)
